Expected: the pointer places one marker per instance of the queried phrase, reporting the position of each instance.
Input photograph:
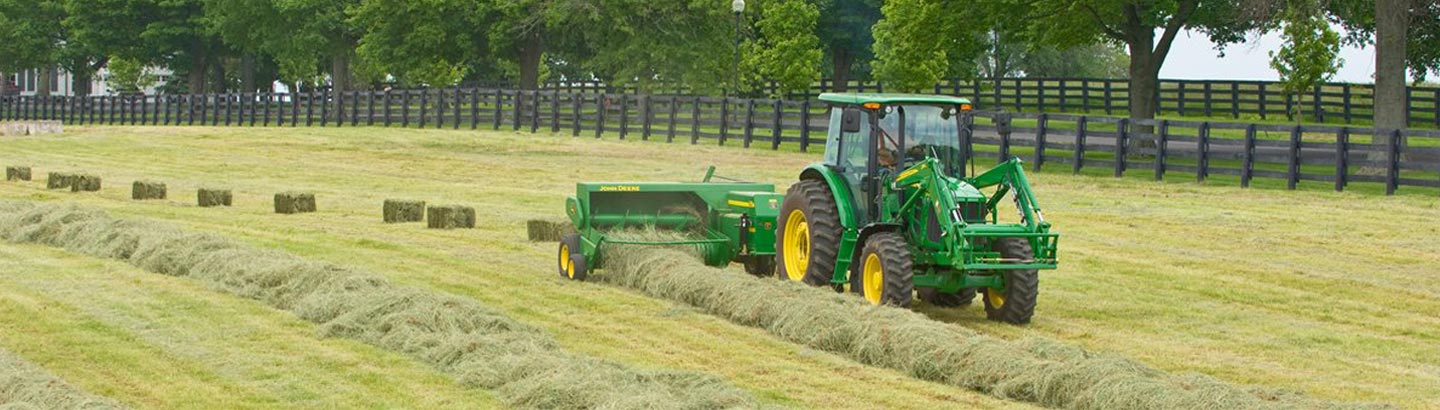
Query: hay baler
(727, 221)
(889, 213)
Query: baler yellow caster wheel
(1015, 304)
(571, 262)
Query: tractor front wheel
(1015, 304)
(938, 299)
(809, 234)
(885, 274)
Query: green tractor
(890, 212)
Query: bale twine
(146, 190)
(294, 202)
(545, 230)
(207, 197)
(17, 173)
(84, 183)
(400, 211)
(451, 217)
(59, 180)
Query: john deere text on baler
(889, 212)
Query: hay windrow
(547, 230)
(477, 345)
(23, 385)
(1034, 370)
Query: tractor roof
(890, 98)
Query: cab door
(849, 155)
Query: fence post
(1085, 95)
(354, 108)
(1064, 96)
(749, 121)
(1320, 110)
(325, 107)
(1435, 103)
(555, 111)
(424, 107)
(1248, 157)
(775, 133)
(1209, 99)
(310, 108)
(1179, 98)
(1040, 94)
(519, 105)
(1264, 108)
(624, 114)
(1019, 96)
(695, 121)
(1235, 99)
(1080, 135)
(1342, 158)
(725, 119)
(1109, 105)
(499, 111)
(1392, 169)
(966, 124)
(1042, 130)
(534, 111)
(674, 110)
(1202, 164)
(1294, 170)
(405, 108)
(577, 103)
(601, 106)
(1002, 127)
(805, 125)
(294, 108)
(1345, 102)
(474, 108)
(1122, 137)
(645, 111)
(1162, 141)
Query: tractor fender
(838, 188)
(865, 232)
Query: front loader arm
(1010, 176)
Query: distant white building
(62, 84)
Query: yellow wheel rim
(796, 245)
(565, 261)
(874, 278)
(997, 299)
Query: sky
(1194, 57)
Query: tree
(1309, 55)
(1100, 60)
(32, 38)
(1406, 35)
(1135, 23)
(788, 51)
(172, 33)
(645, 42)
(919, 42)
(844, 30)
(129, 76)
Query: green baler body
(730, 221)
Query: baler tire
(760, 267)
(946, 300)
(582, 267)
(813, 198)
(896, 265)
(569, 246)
(1022, 287)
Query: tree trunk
(199, 65)
(530, 53)
(1144, 78)
(42, 83)
(339, 82)
(221, 84)
(841, 78)
(80, 80)
(1392, 20)
(247, 73)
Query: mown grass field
(1331, 294)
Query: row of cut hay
(479, 346)
(1034, 370)
(23, 385)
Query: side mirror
(850, 120)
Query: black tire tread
(823, 215)
(1022, 287)
(899, 289)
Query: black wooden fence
(1338, 156)
(1341, 103)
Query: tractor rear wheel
(572, 263)
(938, 299)
(1016, 304)
(809, 234)
(885, 274)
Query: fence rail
(1342, 103)
(1338, 156)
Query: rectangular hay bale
(542, 230)
(146, 190)
(17, 173)
(450, 217)
(59, 180)
(294, 202)
(84, 183)
(400, 211)
(14, 129)
(209, 197)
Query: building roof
(891, 98)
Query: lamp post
(738, 6)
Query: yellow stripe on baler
(740, 204)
